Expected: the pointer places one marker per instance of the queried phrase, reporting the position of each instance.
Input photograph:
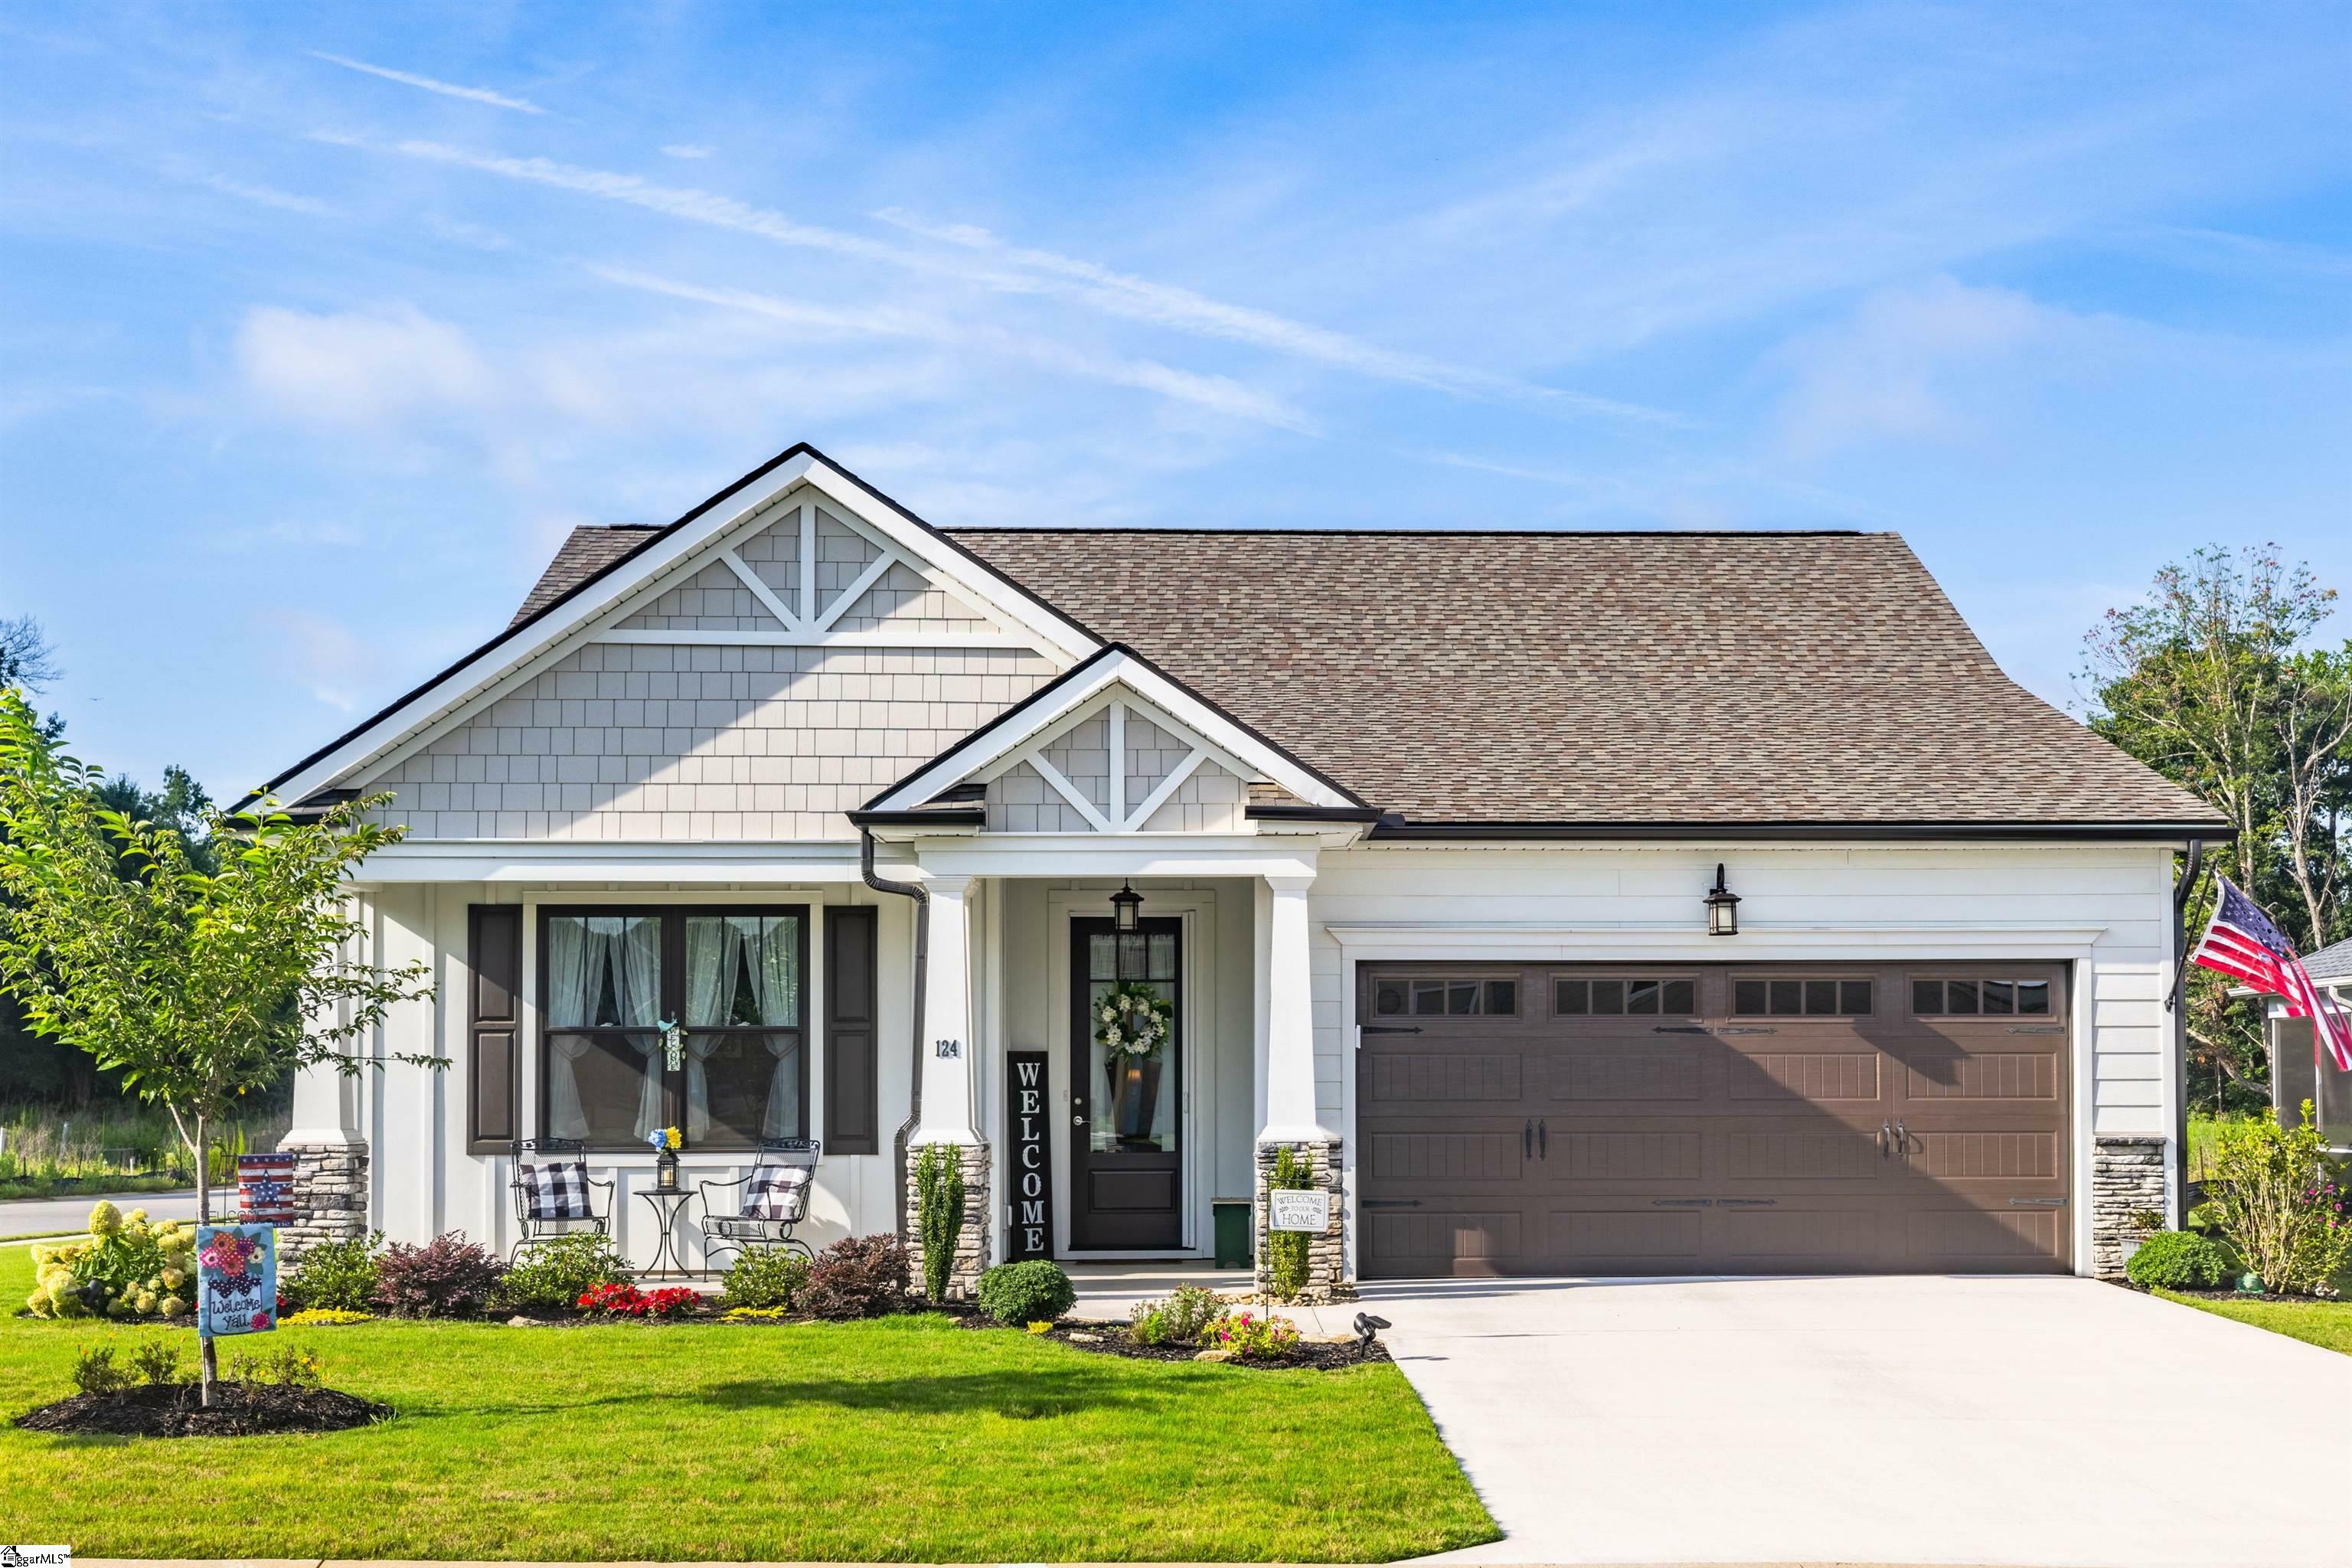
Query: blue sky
(324, 323)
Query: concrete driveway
(2033, 1421)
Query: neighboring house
(2299, 1071)
(1424, 824)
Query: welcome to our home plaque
(1294, 1209)
(1027, 1086)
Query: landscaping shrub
(1252, 1338)
(1180, 1320)
(128, 1269)
(95, 1371)
(448, 1276)
(624, 1301)
(1034, 1291)
(2179, 1260)
(939, 1213)
(1286, 1250)
(764, 1278)
(551, 1276)
(157, 1362)
(288, 1366)
(857, 1276)
(335, 1276)
(2278, 1203)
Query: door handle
(1528, 1139)
(1543, 1139)
(1884, 1133)
(1077, 1119)
(1902, 1141)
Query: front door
(1127, 1165)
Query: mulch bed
(1110, 1339)
(170, 1410)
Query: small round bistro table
(665, 1202)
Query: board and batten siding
(661, 741)
(422, 1180)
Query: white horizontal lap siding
(2122, 893)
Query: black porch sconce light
(1722, 908)
(1125, 910)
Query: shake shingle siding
(1598, 679)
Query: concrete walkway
(25, 1217)
(2032, 1421)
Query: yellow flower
(37, 1303)
(105, 1219)
(1041, 1328)
(172, 1307)
(173, 1278)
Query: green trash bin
(1233, 1231)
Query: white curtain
(775, 951)
(714, 951)
(575, 973)
(633, 949)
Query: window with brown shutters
(853, 1115)
(494, 967)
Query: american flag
(2240, 940)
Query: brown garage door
(1713, 1119)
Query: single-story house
(2298, 1072)
(1566, 902)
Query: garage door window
(1638, 997)
(1446, 998)
(1802, 996)
(1964, 998)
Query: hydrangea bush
(129, 1268)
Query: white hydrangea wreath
(1134, 1021)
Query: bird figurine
(1365, 1327)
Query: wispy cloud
(1020, 271)
(246, 191)
(330, 660)
(366, 369)
(1217, 394)
(430, 84)
(1172, 305)
(687, 150)
(1876, 376)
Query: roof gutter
(1393, 829)
(2182, 891)
(916, 892)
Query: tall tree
(2215, 681)
(196, 988)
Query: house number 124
(949, 1048)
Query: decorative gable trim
(1112, 685)
(592, 608)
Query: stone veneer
(2128, 1178)
(1326, 1255)
(330, 1192)
(971, 1243)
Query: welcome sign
(1031, 1186)
(237, 1280)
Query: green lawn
(2327, 1324)
(907, 1438)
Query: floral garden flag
(236, 1274)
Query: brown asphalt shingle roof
(590, 548)
(1649, 679)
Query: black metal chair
(727, 1227)
(539, 1228)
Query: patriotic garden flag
(2240, 940)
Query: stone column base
(2128, 1175)
(331, 1198)
(971, 1242)
(1326, 1255)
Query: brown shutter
(493, 1016)
(853, 1113)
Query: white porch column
(949, 1049)
(1290, 1113)
(326, 1110)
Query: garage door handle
(1679, 1029)
(1389, 1203)
(1528, 1140)
(1543, 1140)
(1389, 1028)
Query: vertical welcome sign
(1031, 1186)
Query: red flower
(260, 1321)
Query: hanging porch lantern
(1722, 908)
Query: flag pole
(2176, 1004)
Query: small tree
(939, 1213)
(196, 988)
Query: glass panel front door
(1127, 1164)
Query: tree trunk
(207, 1357)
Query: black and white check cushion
(556, 1191)
(776, 1192)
